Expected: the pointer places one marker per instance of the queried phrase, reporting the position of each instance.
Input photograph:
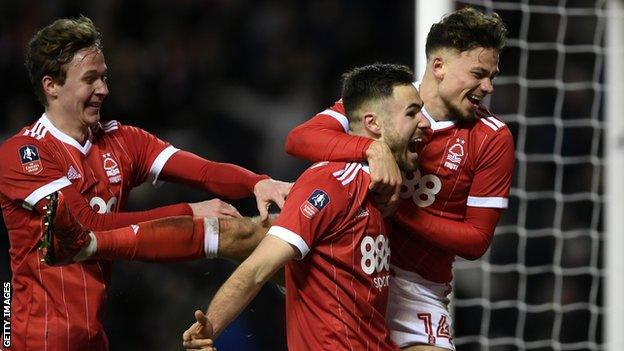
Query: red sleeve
(311, 211)
(469, 239)
(29, 171)
(221, 179)
(324, 138)
(148, 153)
(93, 220)
(492, 177)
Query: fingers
(229, 211)
(200, 317)
(263, 209)
(199, 344)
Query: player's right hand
(386, 176)
(199, 335)
(214, 208)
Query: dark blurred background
(228, 79)
(224, 79)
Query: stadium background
(228, 80)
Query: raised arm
(324, 137)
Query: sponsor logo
(29, 157)
(112, 168)
(315, 203)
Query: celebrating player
(451, 205)
(330, 236)
(95, 165)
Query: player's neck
(432, 100)
(70, 126)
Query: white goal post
(614, 299)
(554, 277)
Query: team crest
(112, 168)
(455, 154)
(29, 157)
(315, 203)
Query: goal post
(614, 181)
(427, 13)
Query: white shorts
(418, 311)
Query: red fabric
(104, 221)
(323, 138)
(466, 164)
(336, 295)
(59, 308)
(162, 240)
(469, 238)
(221, 179)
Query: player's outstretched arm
(236, 293)
(224, 180)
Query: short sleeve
(149, 153)
(315, 206)
(30, 170)
(492, 179)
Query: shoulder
(23, 140)
(490, 124)
(342, 179)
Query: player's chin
(91, 115)
(409, 162)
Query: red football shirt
(58, 308)
(468, 163)
(336, 294)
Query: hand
(199, 336)
(214, 208)
(386, 176)
(267, 191)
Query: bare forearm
(233, 297)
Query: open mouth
(475, 100)
(415, 146)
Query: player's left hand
(200, 335)
(267, 191)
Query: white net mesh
(539, 286)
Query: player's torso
(441, 186)
(349, 267)
(447, 163)
(102, 174)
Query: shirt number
(101, 206)
(375, 254)
(422, 189)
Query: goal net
(540, 285)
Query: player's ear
(49, 86)
(372, 123)
(438, 65)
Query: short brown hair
(376, 81)
(467, 29)
(54, 46)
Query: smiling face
(404, 128)
(79, 99)
(465, 79)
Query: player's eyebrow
(415, 105)
(482, 71)
(95, 72)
